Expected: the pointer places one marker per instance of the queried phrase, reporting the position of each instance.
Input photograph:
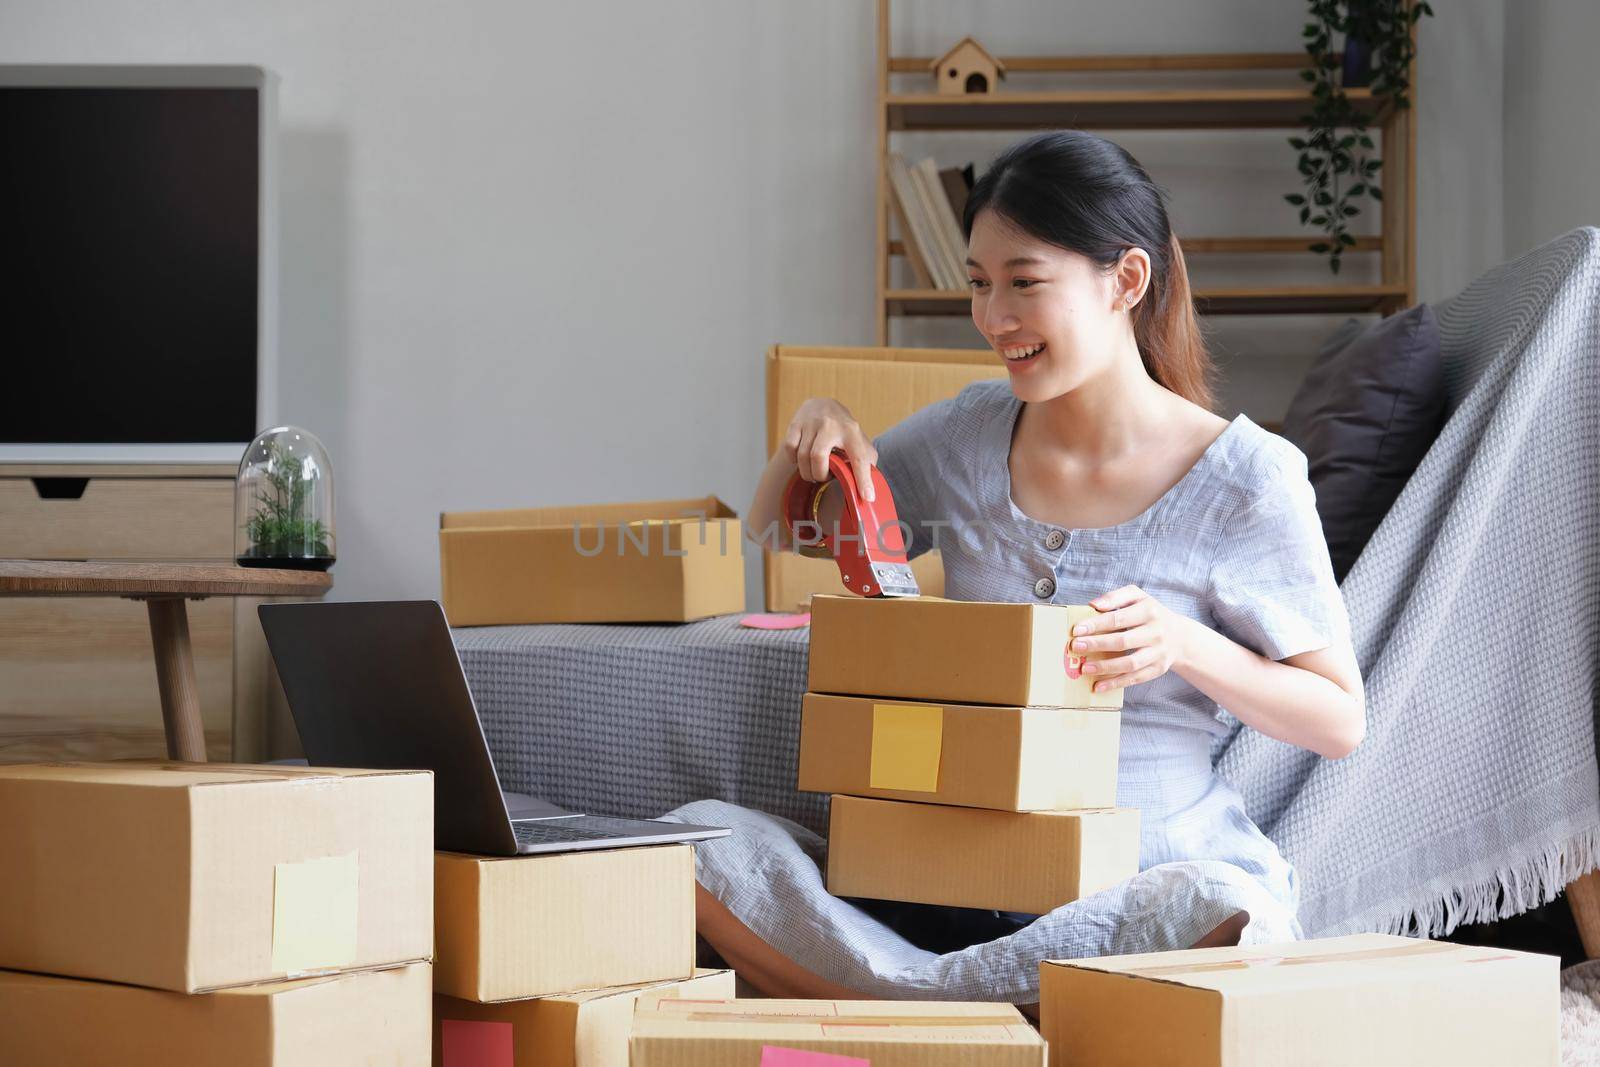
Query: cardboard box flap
(880, 386)
(950, 1022)
(1284, 968)
(688, 510)
(633, 990)
(885, 355)
(178, 775)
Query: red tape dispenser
(871, 547)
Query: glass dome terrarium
(283, 502)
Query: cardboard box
(531, 926)
(886, 1033)
(571, 1030)
(969, 755)
(1370, 999)
(377, 1016)
(880, 387)
(972, 858)
(657, 561)
(199, 876)
(964, 652)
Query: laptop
(380, 685)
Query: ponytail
(1167, 331)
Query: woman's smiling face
(1027, 293)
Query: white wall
(1552, 104)
(533, 253)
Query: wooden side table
(164, 587)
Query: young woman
(1096, 473)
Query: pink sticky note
(467, 1043)
(776, 622)
(777, 1056)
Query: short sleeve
(911, 457)
(1272, 584)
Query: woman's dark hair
(1087, 195)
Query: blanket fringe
(1507, 892)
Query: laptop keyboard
(593, 828)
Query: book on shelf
(918, 232)
(958, 182)
(913, 250)
(927, 204)
(947, 227)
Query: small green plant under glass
(283, 504)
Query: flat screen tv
(137, 262)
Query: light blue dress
(1236, 544)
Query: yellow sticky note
(314, 914)
(906, 739)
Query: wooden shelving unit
(1200, 108)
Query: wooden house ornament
(967, 68)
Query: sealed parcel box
(970, 755)
(588, 1029)
(529, 926)
(1371, 999)
(658, 561)
(884, 1033)
(971, 858)
(960, 652)
(198, 876)
(377, 1016)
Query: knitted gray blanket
(1474, 614)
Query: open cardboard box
(1370, 999)
(654, 561)
(375, 1016)
(880, 387)
(510, 928)
(969, 755)
(200, 876)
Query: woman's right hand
(820, 426)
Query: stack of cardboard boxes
(541, 957)
(971, 762)
(212, 914)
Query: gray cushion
(1367, 412)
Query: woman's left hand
(1137, 624)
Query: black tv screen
(129, 254)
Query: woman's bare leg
(1226, 934)
(756, 961)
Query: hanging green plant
(1337, 157)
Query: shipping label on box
(959, 652)
(531, 926)
(655, 561)
(1371, 999)
(1029, 862)
(970, 755)
(799, 1033)
(193, 877)
(374, 1016)
(588, 1029)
